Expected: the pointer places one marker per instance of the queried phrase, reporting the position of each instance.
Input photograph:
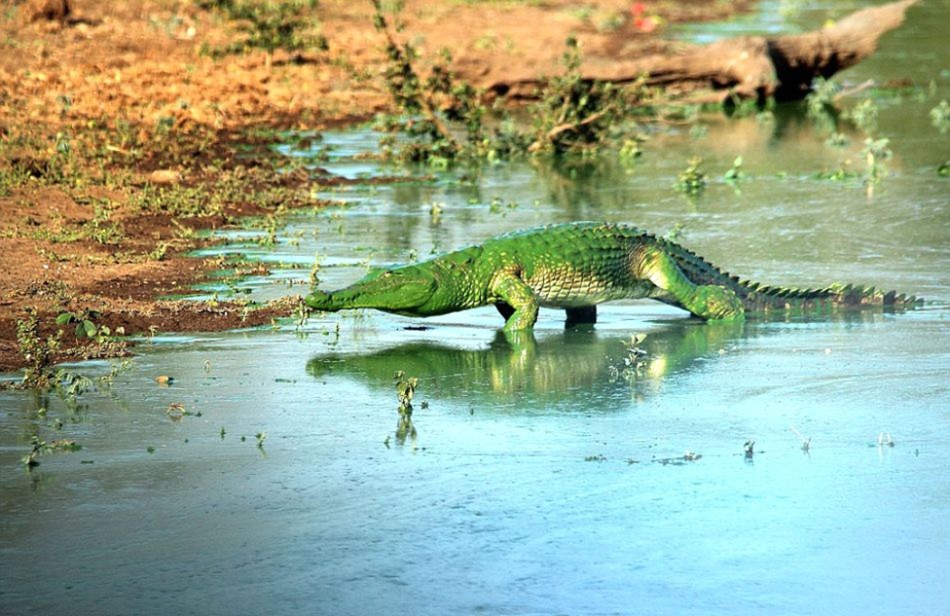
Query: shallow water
(543, 479)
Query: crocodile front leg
(705, 301)
(511, 290)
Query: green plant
(749, 449)
(630, 151)
(39, 448)
(38, 352)
(865, 115)
(820, 104)
(574, 112)
(269, 25)
(692, 180)
(85, 322)
(405, 390)
(875, 153)
(940, 117)
(103, 230)
(735, 173)
(836, 140)
(633, 362)
(820, 101)
(417, 101)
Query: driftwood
(748, 67)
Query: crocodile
(576, 266)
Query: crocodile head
(402, 290)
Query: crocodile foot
(713, 302)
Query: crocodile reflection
(553, 364)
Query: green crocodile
(576, 266)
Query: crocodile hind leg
(705, 301)
(511, 290)
(586, 315)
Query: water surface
(548, 475)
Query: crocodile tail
(759, 297)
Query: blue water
(546, 476)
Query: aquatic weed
(875, 153)
(39, 447)
(940, 117)
(806, 442)
(633, 363)
(405, 390)
(692, 180)
(735, 173)
(749, 449)
(865, 115)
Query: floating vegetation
(940, 117)
(633, 362)
(692, 180)
(865, 116)
(837, 140)
(689, 456)
(875, 152)
(749, 449)
(838, 175)
(820, 103)
(806, 442)
(39, 447)
(596, 458)
(735, 173)
(405, 390)
(630, 151)
(176, 411)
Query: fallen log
(747, 67)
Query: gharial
(576, 266)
